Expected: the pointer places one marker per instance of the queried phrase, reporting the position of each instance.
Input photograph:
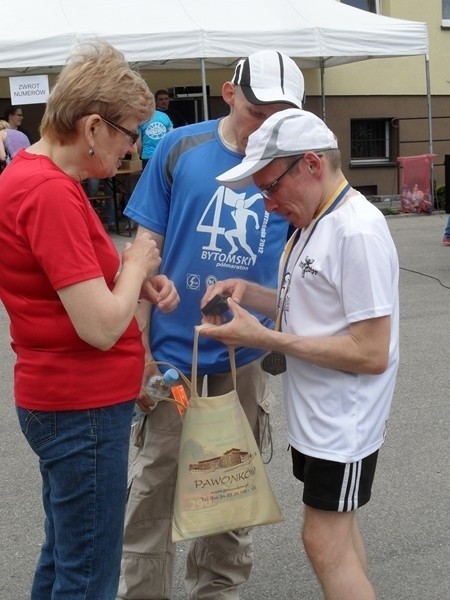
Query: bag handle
(197, 329)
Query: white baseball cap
(286, 133)
(268, 76)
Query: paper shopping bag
(222, 484)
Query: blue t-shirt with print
(152, 132)
(211, 233)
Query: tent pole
(322, 87)
(205, 95)
(430, 122)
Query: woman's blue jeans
(83, 458)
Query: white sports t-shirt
(348, 272)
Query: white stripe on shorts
(348, 499)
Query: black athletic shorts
(329, 485)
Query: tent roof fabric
(176, 33)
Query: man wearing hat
(335, 336)
(206, 232)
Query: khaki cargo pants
(216, 565)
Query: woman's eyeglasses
(133, 135)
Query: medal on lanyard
(274, 362)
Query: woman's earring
(91, 152)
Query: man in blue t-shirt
(205, 232)
(163, 104)
(151, 133)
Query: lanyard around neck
(332, 203)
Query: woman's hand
(144, 253)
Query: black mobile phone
(216, 306)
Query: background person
(14, 117)
(162, 102)
(178, 202)
(151, 133)
(92, 186)
(3, 155)
(11, 141)
(338, 321)
(446, 238)
(79, 356)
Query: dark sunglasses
(133, 135)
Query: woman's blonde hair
(96, 80)
(4, 124)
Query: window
(446, 9)
(369, 5)
(370, 141)
(446, 13)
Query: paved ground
(407, 523)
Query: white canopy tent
(205, 33)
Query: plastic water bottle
(158, 387)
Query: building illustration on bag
(231, 458)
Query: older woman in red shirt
(71, 302)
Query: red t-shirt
(50, 237)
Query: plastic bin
(415, 177)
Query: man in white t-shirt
(336, 334)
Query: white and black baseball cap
(268, 77)
(288, 132)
